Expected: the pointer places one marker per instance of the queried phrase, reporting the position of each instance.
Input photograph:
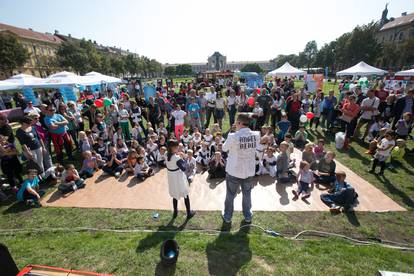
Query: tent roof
(65, 78)
(286, 70)
(405, 73)
(24, 80)
(6, 85)
(361, 69)
(103, 78)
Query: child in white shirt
(268, 165)
(142, 170)
(191, 166)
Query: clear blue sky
(177, 31)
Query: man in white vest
(240, 168)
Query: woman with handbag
(350, 111)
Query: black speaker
(7, 265)
(169, 252)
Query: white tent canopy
(286, 70)
(24, 80)
(6, 85)
(103, 78)
(361, 69)
(405, 73)
(66, 79)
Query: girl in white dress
(177, 179)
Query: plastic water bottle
(155, 216)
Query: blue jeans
(232, 184)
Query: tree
(184, 70)
(252, 67)
(131, 64)
(170, 71)
(309, 53)
(12, 54)
(117, 65)
(282, 59)
(72, 57)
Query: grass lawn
(227, 253)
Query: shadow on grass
(163, 233)
(395, 191)
(229, 252)
(352, 218)
(16, 207)
(166, 232)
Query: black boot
(190, 213)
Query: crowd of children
(111, 145)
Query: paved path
(127, 192)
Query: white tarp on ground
(286, 70)
(6, 85)
(65, 79)
(24, 80)
(361, 69)
(405, 73)
(103, 78)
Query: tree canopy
(12, 54)
(252, 67)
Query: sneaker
(335, 209)
(117, 174)
(248, 221)
(225, 220)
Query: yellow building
(42, 48)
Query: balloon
(99, 103)
(310, 115)
(250, 101)
(303, 118)
(107, 102)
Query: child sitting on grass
(142, 170)
(397, 153)
(160, 156)
(305, 180)
(319, 149)
(191, 165)
(70, 180)
(308, 155)
(217, 166)
(283, 163)
(342, 195)
(203, 155)
(301, 137)
(383, 152)
(131, 161)
(89, 165)
(29, 192)
(114, 165)
(268, 165)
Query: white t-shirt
(211, 99)
(241, 147)
(385, 144)
(220, 103)
(123, 116)
(179, 117)
(367, 102)
(33, 110)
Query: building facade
(395, 30)
(218, 62)
(42, 49)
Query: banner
(29, 95)
(68, 94)
(149, 91)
